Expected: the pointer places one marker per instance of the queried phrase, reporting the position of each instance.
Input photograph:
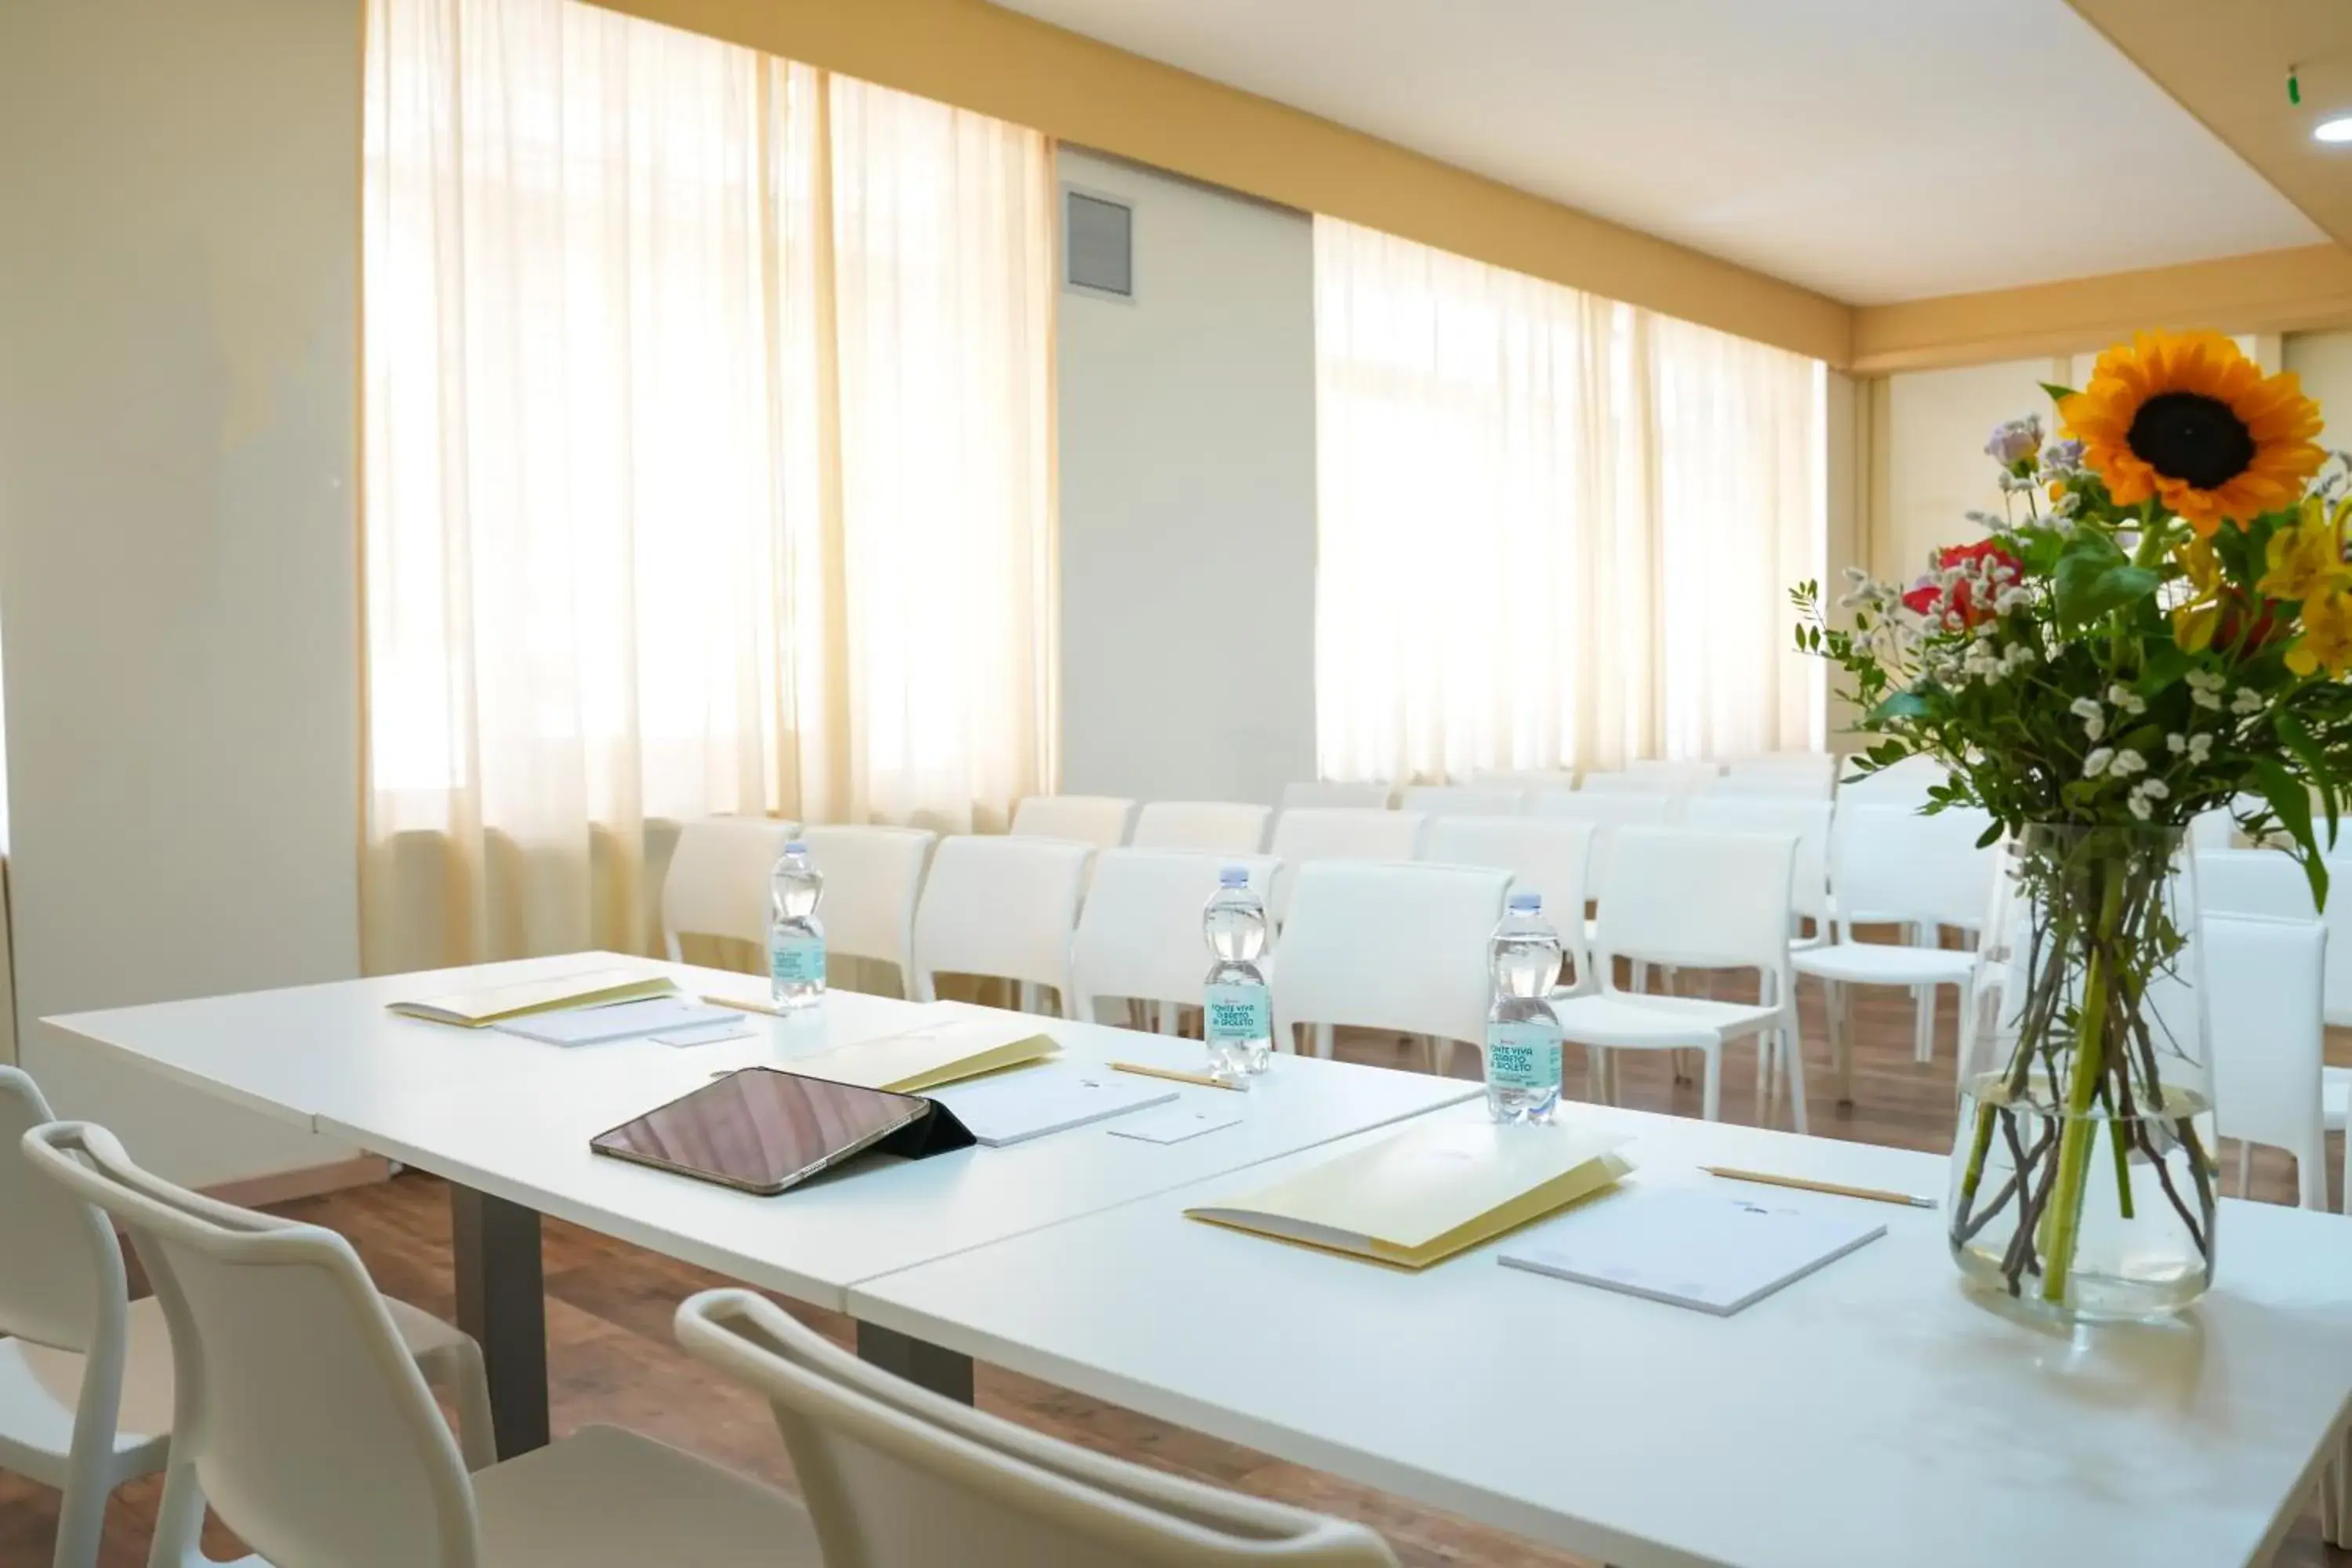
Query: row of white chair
(268, 1378)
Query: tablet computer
(762, 1130)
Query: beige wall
(2323, 360)
(1188, 501)
(178, 327)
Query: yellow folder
(583, 988)
(1429, 1192)
(930, 1056)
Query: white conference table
(1870, 1414)
(506, 1122)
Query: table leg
(2336, 1494)
(501, 1302)
(919, 1362)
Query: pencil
(768, 1008)
(1874, 1194)
(1204, 1080)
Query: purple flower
(2016, 442)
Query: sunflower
(2189, 420)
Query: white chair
(1905, 784)
(1327, 795)
(1216, 826)
(1772, 784)
(1892, 866)
(1464, 800)
(2263, 981)
(1097, 819)
(87, 1384)
(1139, 937)
(718, 879)
(1388, 946)
(1813, 765)
(1673, 777)
(1693, 900)
(872, 879)
(1337, 833)
(2269, 883)
(1001, 906)
(1608, 810)
(1809, 895)
(1552, 856)
(896, 1476)
(1525, 778)
(301, 1418)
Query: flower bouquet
(2158, 625)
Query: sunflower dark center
(2189, 437)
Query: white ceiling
(1873, 150)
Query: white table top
(1869, 1413)
(512, 1118)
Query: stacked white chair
(1387, 946)
(302, 1420)
(1323, 796)
(1772, 784)
(1097, 819)
(87, 1380)
(1139, 937)
(1525, 778)
(2261, 980)
(1809, 895)
(896, 1476)
(1551, 857)
(1464, 800)
(1675, 777)
(1001, 906)
(1337, 833)
(1695, 899)
(1894, 866)
(1218, 827)
(873, 878)
(717, 884)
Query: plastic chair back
(1809, 819)
(1465, 800)
(61, 1275)
(1906, 784)
(1319, 796)
(1551, 857)
(1000, 906)
(310, 1430)
(1139, 934)
(1892, 865)
(1703, 900)
(896, 1476)
(1097, 819)
(1388, 946)
(1337, 833)
(1675, 777)
(2269, 883)
(872, 878)
(1525, 778)
(718, 879)
(2263, 981)
(1772, 784)
(1216, 826)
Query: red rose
(1961, 607)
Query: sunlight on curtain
(645, 315)
(1551, 527)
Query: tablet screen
(762, 1129)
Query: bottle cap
(796, 847)
(1233, 876)
(1526, 904)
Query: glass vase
(2083, 1176)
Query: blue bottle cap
(796, 847)
(1526, 904)
(1233, 876)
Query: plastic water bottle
(1522, 1031)
(796, 936)
(1237, 1013)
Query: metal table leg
(501, 1302)
(919, 1362)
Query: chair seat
(2335, 1097)
(1884, 963)
(1635, 1021)
(41, 1387)
(605, 1496)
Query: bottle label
(1239, 1012)
(1522, 1055)
(797, 961)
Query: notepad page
(1032, 1101)
(934, 1053)
(1693, 1247)
(618, 1021)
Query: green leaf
(2056, 391)
(2163, 663)
(2290, 798)
(2091, 581)
(2298, 741)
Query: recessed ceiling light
(2336, 130)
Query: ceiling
(2226, 61)
(1871, 150)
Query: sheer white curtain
(1551, 527)
(704, 394)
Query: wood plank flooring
(612, 1358)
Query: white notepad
(1692, 1247)
(621, 1021)
(1029, 1102)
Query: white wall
(1937, 470)
(178, 324)
(1188, 501)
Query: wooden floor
(612, 1359)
